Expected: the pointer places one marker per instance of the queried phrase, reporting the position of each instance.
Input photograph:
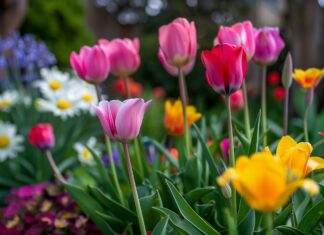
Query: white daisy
(87, 95)
(64, 105)
(84, 154)
(8, 99)
(53, 81)
(10, 142)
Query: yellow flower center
(55, 85)
(4, 104)
(63, 104)
(87, 98)
(4, 142)
(86, 154)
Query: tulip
(178, 43)
(279, 94)
(91, 64)
(123, 55)
(225, 146)
(309, 78)
(42, 136)
(240, 34)
(173, 119)
(237, 101)
(265, 183)
(273, 78)
(226, 67)
(296, 156)
(135, 88)
(286, 79)
(268, 45)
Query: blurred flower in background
(8, 99)
(135, 88)
(273, 78)
(10, 142)
(309, 78)
(84, 155)
(279, 94)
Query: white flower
(87, 96)
(53, 82)
(64, 105)
(10, 142)
(84, 154)
(8, 99)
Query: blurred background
(66, 25)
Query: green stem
(54, 167)
(138, 157)
(134, 190)
(305, 124)
(231, 152)
(113, 170)
(264, 104)
(184, 101)
(127, 88)
(269, 223)
(317, 144)
(246, 112)
(286, 109)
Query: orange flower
(134, 87)
(173, 119)
(309, 78)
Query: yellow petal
(284, 144)
(314, 163)
(296, 159)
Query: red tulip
(42, 136)
(178, 43)
(237, 100)
(279, 93)
(226, 67)
(240, 34)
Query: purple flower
(150, 151)
(115, 155)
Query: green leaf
(89, 206)
(188, 213)
(255, 137)
(286, 230)
(116, 224)
(230, 223)
(245, 143)
(317, 175)
(283, 216)
(312, 217)
(192, 174)
(182, 226)
(150, 216)
(246, 226)
(113, 206)
(164, 152)
(195, 194)
(161, 227)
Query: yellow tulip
(297, 156)
(264, 182)
(308, 78)
(173, 119)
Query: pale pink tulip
(91, 64)
(122, 120)
(178, 43)
(123, 54)
(240, 34)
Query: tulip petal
(284, 144)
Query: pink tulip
(226, 67)
(122, 120)
(123, 54)
(178, 44)
(91, 64)
(237, 100)
(42, 136)
(240, 34)
(225, 146)
(268, 45)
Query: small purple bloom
(115, 155)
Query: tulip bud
(286, 77)
(42, 136)
(226, 191)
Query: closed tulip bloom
(226, 67)
(224, 146)
(91, 64)
(173, 119)
(237, 101)
(309, 78)
(264, 182)
(297, 156)
(268, 45)
(122, 120)
(123, 55)
(240, 34)
(178, 43)
(42, 136)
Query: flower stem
(231, 152)
(134, 190)
(246, 112)
(138, 157)
(264, 104)
(127, 88)
(54, 167)
(305, 124)
(286, 109)
(269, 224)
(111, 160)
(184, 102)
(308, 100)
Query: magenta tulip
(240, 34)
(122, 120)
(42, 136)
(237, 100)
(268, 45)
(225, 147)
(123, 54)
(91, 64)
(226, 67)
(178, 43)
